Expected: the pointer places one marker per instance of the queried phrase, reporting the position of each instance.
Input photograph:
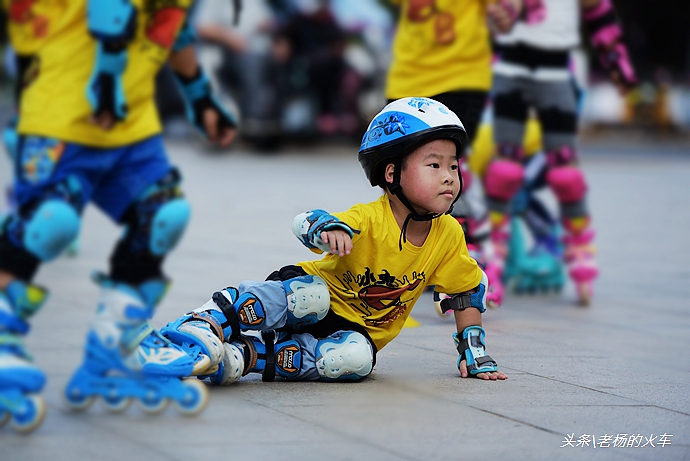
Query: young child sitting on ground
(326, 319)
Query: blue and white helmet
(403, 125)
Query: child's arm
(606, 36)
(320, 230)
(469, 340)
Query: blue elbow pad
(307, 227)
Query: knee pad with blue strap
(308, 300)
(50, 223)
(344, 355)
(53, 226)
(158, 217)
(155, 223)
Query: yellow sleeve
(458, 271)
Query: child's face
(430, 178)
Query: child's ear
(388, 175)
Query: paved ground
(619, 367)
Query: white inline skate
(20, 380)
(126, 359)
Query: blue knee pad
(308, 300)
(344, 355)
(159, 217)
(169, 223)
(51, 228)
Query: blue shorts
(110, 178)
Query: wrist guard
(309, 225)
(198, 97)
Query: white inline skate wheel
(153, 404)
(195, 398)
(75, 400)
(31, 416)
(116, 404)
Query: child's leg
(504, 175)
(556, 107)
(257, 306)
(341, 356)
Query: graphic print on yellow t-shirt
(377, 284)
(56, 105)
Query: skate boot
(581, 266)
(20, 380)
(126, 359)
(538, 269)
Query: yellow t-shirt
(376, 285)
(30, 23)
(440, 46)
(55, 104)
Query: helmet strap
(396, 189)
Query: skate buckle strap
(229, 311)
(132, 338)
(269, 373)
(458, 302)
(481, 362)
(461, 301)
(216, 327)
(464, 344)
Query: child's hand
(339, 241)
(492, 375)
(503, 14)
